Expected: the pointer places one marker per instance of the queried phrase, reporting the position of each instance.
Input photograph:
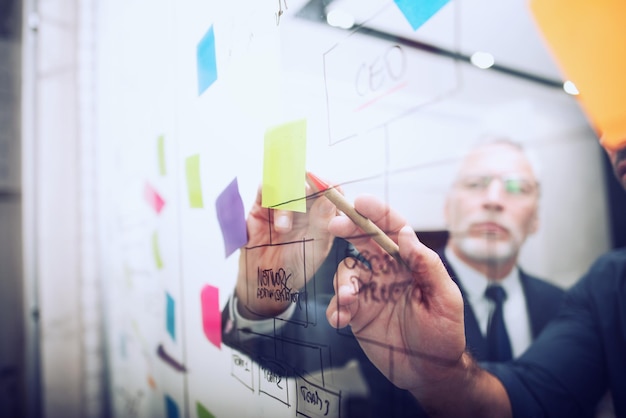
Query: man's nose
(495, 194)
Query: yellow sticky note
(587, 39)
(158, 261)
(284, 167)
(161, 152)
(194, 185)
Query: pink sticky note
(211, 315)
(153, 198)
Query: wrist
(464, 390)
(443, 383)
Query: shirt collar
(475, 283)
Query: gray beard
(487, 252)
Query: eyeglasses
(513, 185)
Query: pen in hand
(364, 223)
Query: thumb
(420, 259)
(425, 264)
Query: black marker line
(170, 360)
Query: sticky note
(202, 412)
(171, 407)
(161, 154)
(153, 198)
(587, 40)
(211, 315)
(170, 316)
(171, 361)
(156, 252)
(284, 167)
(232, 218)
(418, 12)
(207, 66)
(194, 185)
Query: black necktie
(498, 343)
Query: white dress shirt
(516, 317)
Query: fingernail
(282, 222)
(347, 290)
(333, 319)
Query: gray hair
(495, 139)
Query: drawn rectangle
(370, 82)
(273, 382)
(303, 298)
(241, 368)
(315, 400)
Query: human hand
(284, 250)
(407, 316)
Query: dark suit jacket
(580, 354)
(307, 344)
(542, 300)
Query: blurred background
(89, 87)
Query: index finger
(376, 211)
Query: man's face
(492, 207)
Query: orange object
(587, 39)
(317, 182)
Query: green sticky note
(161, 153)
(284, 167)
(194, 185)
(202, 412)
(156, 252)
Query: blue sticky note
(232, 218)
(207, 67)
(418, 12)
(171, 319)
(171, 407)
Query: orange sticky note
(587, 40)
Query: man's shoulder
(607, 274)
(615, 258)
(538, 287)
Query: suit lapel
(534, 304)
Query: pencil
(364, 223)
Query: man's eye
(472, 186)
(475, 184)
(517, 186)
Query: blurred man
(490, 210)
